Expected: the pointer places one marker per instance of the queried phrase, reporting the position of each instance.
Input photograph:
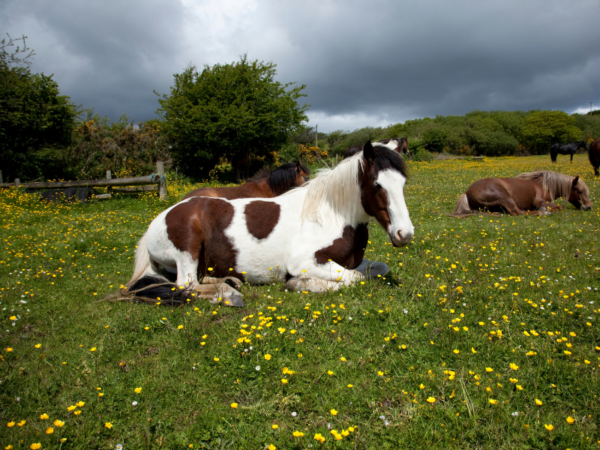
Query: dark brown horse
(264, 184)
(594, 155)
(399, 145)
(528, 193)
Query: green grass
(478, 283)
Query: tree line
(493, 133)
(228, 115)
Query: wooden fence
(155, 182)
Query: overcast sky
(365, 63)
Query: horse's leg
(550, 206)
(212, 280)
(572, 153)
(509, 205)
(220, 292)
(312, 284)
(187, 271)
(318, 277)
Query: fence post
(162, 190)
(17, 182)
(108, 177)
(336, 159)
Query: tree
(34, 118)
(544, 128)
(231, 111)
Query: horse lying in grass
(399, 145)
(528, 193)
(312, 237)
(566, 149)
(264, 184)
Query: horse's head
(579, 195)
(382, 182)
(302, 174)
(403, 144)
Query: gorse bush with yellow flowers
(484, 335)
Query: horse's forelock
(581, 184)
(385, 159)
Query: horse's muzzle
(401, 239)
(586, 208)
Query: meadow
(485, 335)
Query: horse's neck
(390, 145)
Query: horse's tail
(143, 262)
(462, 206)
(148, 285)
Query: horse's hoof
(234, 300)
(543, 208)
(234, 282)
(371, 269)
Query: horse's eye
(377, 185)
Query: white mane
(337, 189)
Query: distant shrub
(422, 155)
(289, 153)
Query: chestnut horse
(594, 156)
(399, 145)
(264, 185)
(312, 237)
(528, 193)
(566, 149)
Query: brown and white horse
(528, 193)
(312, 237)
(399, 145)
(264, 184)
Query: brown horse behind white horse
(264, 184)
(529, 193)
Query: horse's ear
(368, 152)
(575, 180)
(298, 167)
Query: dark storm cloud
(364, 63)
(452, 58)
(106, 56)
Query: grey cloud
(384, 61)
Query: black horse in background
(68, 195)
(566, 149)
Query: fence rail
(157, 179)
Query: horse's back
(246, 190)
(493, 190)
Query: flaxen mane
(338, 188)
(557, 184)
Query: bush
(289, 153)
(422, 155)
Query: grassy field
(486, 336)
